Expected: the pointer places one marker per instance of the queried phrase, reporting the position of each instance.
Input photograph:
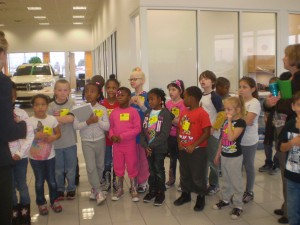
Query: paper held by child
(83, 112)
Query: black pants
(173, 149)
(193, 171)
(157, 178)
(6, 195)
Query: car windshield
(33, 70)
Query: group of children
(135, 131)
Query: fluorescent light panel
(39, 17)
(44, 24)
(77, 23)
(79, 7)
(78, 17)
(1, 25)
(34, 8)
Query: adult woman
(291, 62)
(9, 131)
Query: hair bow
(178, 83)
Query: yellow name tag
(64, 112)
(98, 112)
(175, 111)
(109, 111)
(142, 98)
(47, 130)
(153, 120)
(124, 117)
(186, 125)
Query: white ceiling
(57, 12)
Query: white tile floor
(83, 211)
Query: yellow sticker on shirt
(175, 111)
(109, 111)
(186, 125)
(142, 98)
(124, 117)
(64, 112)
(47, 130)
(153, 120)
(98, 112)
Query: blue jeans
(108, 159)
(44, 170)
(157, 178)
(19, 172)
(293, 202)
(65, 164)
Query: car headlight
(48, 84)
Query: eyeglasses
(134, 79)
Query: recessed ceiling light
(34, 8)
(77, 23)
(40, 17)
(79, 7)
(78, 17)
(1, 25)
(44, 24)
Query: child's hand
(17, 119)
(40, 135)
(50, 138)
(229, 117)
(190, 149)
(93, 119)
(296, 141)
(115, 139)
(148, 152)
(134, 99)
(16, 157)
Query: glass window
(57, 61)
(16, 59)
(79, 64)
(294, 29)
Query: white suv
(32, 79)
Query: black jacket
(164, 124)
(9, 129)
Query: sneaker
(93, 194)
(56, 206)
(236, 213)
(212, 190)
(117, 195)
(71, 195)
(61, 195)
(220, 204)
(200, 203)
(142, 188)
(170, 183)
(179, 188)
(159, 199)
(184, 198)
(100, 197)
(274, 170)
(283, 220)
(265, 168)
(43, 209)
(278, 212)
(248, 196)
(149, 197)
(106, 187)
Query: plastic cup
(285, 87)
(273, 88)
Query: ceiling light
(79, 7)
(44, 24)
(77, 23)
(34, 8)
(1, 25)
(40, 17)
(78, 17)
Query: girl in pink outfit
(125, 125)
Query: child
(272, 167)
(140, 102)
(110, 103)
(175, 105)
(194, 130)
(42, 154)
(248, 91)
(232, 158)
(19, 150)
(156, 129)
(125, 125)
(65, 147)
(289, 141)
(212, 104)
(92, 132)
(223, 87)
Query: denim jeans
(44, 170)
(19, 172)
(108, 159)
(293, 202)
(157, 176)
(65, 166)
(173, 149)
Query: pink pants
(125, 155)
(143, 168)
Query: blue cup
(273, 88)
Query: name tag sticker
(186, 125)
(175, 111)
(153, 120)
(109, 111)
(98, 112)
(47, 130)
(64, 112)
(124, 117)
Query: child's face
(205, 82)
(154, 101)
(91, 94)
(123, 98)
(111, 89)
(296, 107)
(187, 99)
(136, 80)
(245, 90)
(222, 90)
(40, 107)
(174, 93)
(230, 109)
(62, 91)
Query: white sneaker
(93, 194)
(142, 188)
(100, 197)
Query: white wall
(48, 38)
